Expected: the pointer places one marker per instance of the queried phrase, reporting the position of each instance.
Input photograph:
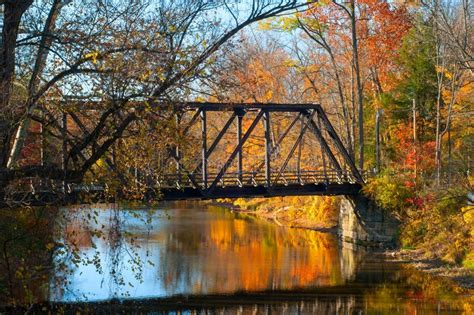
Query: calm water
(193, 258)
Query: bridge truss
(251, 150)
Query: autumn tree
(346, 52)
(110, 52)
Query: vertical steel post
(204, 147)
(177, 153)
(64, 148)
(240, 116)
(300, 148)
(64, 141)
(267, 148)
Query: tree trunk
(345, 110)
(13, 11)
(439, 99)
(355, 53)
(40, 63)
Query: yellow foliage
(320, 211)
(145, 75)
(269, 95)
(92, 56)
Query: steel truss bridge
(237, 151)
(334, 173)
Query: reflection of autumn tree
(216, 251)
(421, 292)
(230, 253)
(305, 211)
(306, 257)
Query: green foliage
(418, 81)
(287, 24)
(438, 222)
(469, 262)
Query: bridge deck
(245, 185)
(181, 187)
(261, 191)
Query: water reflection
(188, 250)
(195, 258)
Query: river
(194, 257)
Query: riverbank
(282, 218)
(462, 276)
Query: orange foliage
(259, 78)
(380, 28)
(383, 27)
(409, 155)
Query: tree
(119, 54)
(451, 26)
(357, 40)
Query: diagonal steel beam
(192, 121)
(234, 153)
(333, 134)
(323, 156)
(110, 164)
(293, 148)
(268, 170)
(191, 177)
(300, 149)
(216, 141)
(324, 144)
(278, 142)
(185, 131)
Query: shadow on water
(192, 258)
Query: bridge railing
(252, 179)
(35, 185)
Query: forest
(87, 89)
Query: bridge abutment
(363, 223)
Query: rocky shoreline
(462, 276)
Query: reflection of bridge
(335, 174)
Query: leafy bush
(391, 192)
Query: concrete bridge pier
(363, 223)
